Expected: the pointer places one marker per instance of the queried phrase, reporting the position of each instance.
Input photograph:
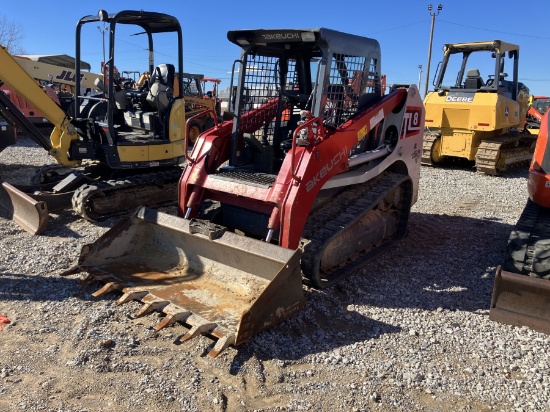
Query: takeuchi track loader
(315, 174)
(118, 149)
(477, 119)
(521, 294)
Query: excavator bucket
(30, 214)
(215, 282)
(521, 300)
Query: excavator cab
(133, 126)
(477, 118)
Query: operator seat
(161, 87)
(157, 91)
(473, 79)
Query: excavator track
(521, 293)
(504, 153)
(529, 242)
(106, 198)
(430, 139)
(355, 227)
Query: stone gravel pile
(410, 331)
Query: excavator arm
(13, 75)
(29, 213)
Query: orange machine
(521, 294)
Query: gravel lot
(408, 332)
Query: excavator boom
(29, 213)
(12, 74)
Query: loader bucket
(30, 214)
(216, 282)
(521, 300)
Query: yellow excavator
(123, 147)
(477, 119)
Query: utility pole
(433, 14)
(103, 31)
(419, 75)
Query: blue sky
(402, 27)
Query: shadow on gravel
(59, 223)
(445, 263)
(36, 288)
(324, 325)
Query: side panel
(471, 111)
(410, 124)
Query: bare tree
(11, 35)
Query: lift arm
(13, 75)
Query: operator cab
(459, 74)
(130, 113)
(286, 78)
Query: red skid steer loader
(314, 175)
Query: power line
(400, 27)
(534, 80)
(495, 31)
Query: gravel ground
(408, 332)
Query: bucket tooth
(221, 345)
(70, 271)
(197, 330)
(131, 295)
(151, 306)
(170, 319)
(107, 288)
(229, 287)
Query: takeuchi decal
(343, 154)
(281, 36)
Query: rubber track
(345, 209)
(531, 234)
(491, 152)
(129, 184)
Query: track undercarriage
(92, 191)
(354, 227)
(494, 156)
(505, 153)
(527, 251)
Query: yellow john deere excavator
(471, 118)
(124, 147)
(315, 173)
